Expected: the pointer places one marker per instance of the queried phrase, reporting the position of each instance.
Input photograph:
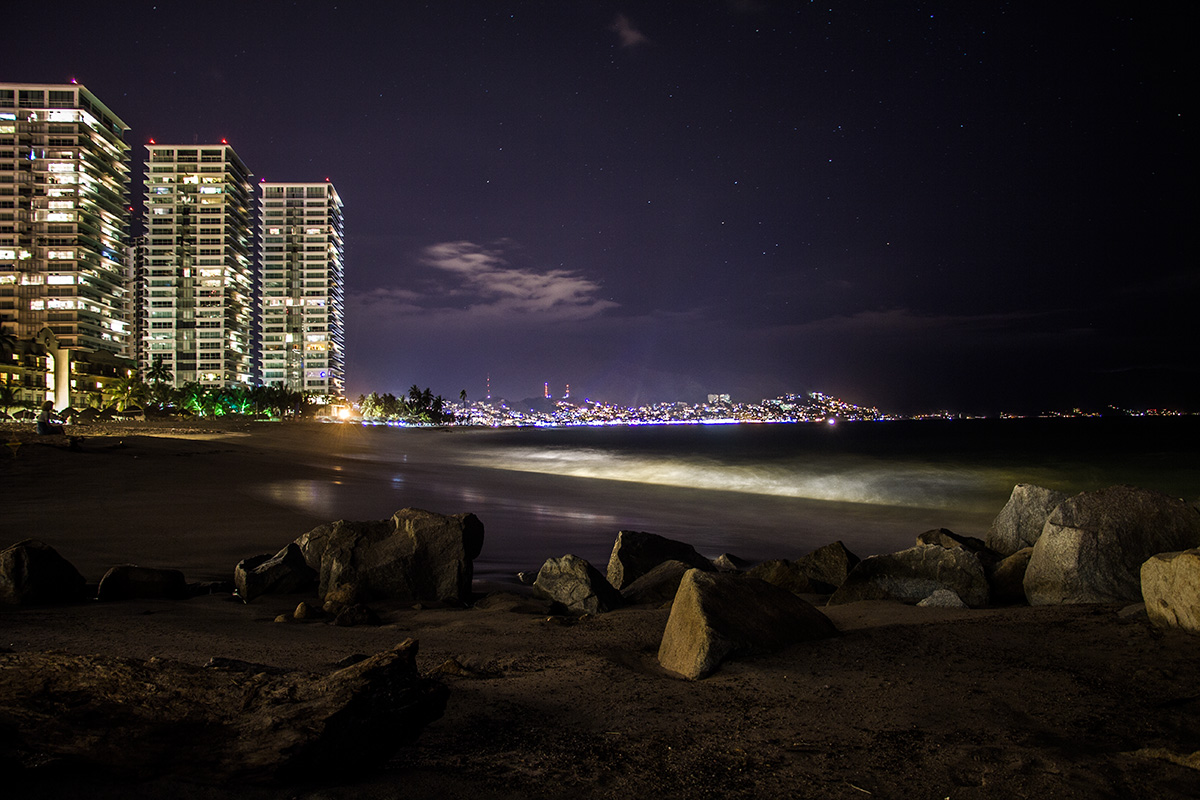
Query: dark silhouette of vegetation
(420, 407)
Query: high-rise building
(302, 321)
(198, 286)
(64, 218)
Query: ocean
(756, 491)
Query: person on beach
(46, 421)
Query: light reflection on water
(543, 494)
(839, 480)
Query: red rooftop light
(153, 142)
(224, 142)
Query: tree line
(419, 407)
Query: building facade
(64, 218)
(197, 280)
(302, 321)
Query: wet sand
(907, 702)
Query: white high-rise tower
(198, 277)
(302, 255)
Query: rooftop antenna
(567, 396)
(489, 386)
(546, 389)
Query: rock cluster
(1093, 545)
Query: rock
(1094, 544)
(942, 598)
(33, 573)
(283, 573)
(727, 562)
(357, 614)
(416, 555)
(657, 586)
(829, 564)
(788, 575)
(912, 575)
(636, 553)
(1171, 588)
(1020, 522)
(344, 595)
(130, 582)
(716, 617)
(305, 611)
(526, 578)
(944, 537)
(1008, 578)
(150, 719)
(577, 585)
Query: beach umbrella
(24, 413)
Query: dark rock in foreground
(415, 555)
(635, 553)
(912, 575)
(131, 582)
(1094, 544)
(33, 573)
(577, 585)
(716, 616)
(138, 719)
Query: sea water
(754, 490)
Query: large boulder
(1020, 522)
(577, 585)
(131, 582)
(134, 719)
(635, 553)
(657, 586)
(1094, 544)
(717, 616)
(33, 573)
(829, 564)
(912, 575)
(1171, 589)
(415, 555)
(286, 572)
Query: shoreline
(1062, 701)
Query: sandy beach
(1018, 702)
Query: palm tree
(8, 398)
(8, 342)
(159, 372)
(127, 391)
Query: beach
(1075, 701)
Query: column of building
(198, 276)
(64, 225)
(301, 251)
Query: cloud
(627, 33)
(470, 281)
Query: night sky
(974, 206)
